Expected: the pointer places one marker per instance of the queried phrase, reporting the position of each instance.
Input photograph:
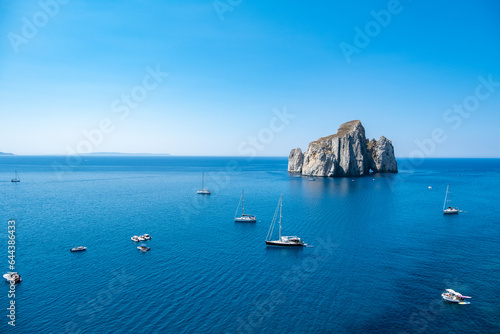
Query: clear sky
(210, 77)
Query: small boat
(203, 191)
(135, 238)
(245, 218)
(455, 297)
(78, 249)
(16, 178)
(12, 277)
(447, 209)
(141, 238)
(143, 248)
(146, 236)
(287, 241)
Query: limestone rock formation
(295, 160)
(346, 153)
(382, 156)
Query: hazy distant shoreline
(126, 154)
(107, 154)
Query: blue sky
(234, 65)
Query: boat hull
(450, 212)
(453, 300)
(245, 220)
(283, 244)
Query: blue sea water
(382, 250)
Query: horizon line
(102, 154)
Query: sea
(380, 251)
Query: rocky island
(346, 153)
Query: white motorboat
(78, 249)
(203, 191)
(285, 241)
(146, 236)
(143, 248)
(455, 297)
(244, 218)
(135, 238)
(447, 209)
(141, 238)
(12, 277)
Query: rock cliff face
(382, 158)
(295, 160)
(346, 153)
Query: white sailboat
(287, 241)
(245, 218)
(16, 179)
(447, 209)
(203, 191)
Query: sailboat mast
(202, 180)
(242, 203)
(448, 200)
(446, 197)
(281, 215)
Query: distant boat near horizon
(447, 209)
(203, 191)
(245, 218)
(16, 178)
(286, 241)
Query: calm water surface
(382, 250)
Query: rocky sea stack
(346, 153)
